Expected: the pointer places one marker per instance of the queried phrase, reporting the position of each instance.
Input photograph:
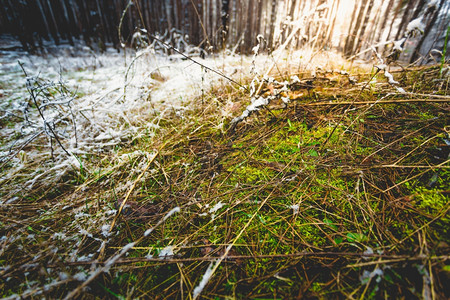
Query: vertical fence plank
(218, 23)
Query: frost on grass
(108, 100)
(112, 260)
(85, 232)
(382, 66)
(148, 231)
(214, 209)
(80, 276)
(168, 215)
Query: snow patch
(415, 25)
(81, 276)
(171, 212)
(398, 45)
(432, 3)
(166, 252)
(199, 288)
(390, 78)
(216, 207)
(105, 230)
(295, 208)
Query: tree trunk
(350, 37)
(361, 38)
(430, 25)
(404, 22)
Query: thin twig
(410, 167)
(343, 115)
(375, 102)
(46, 124)
(396, 141)
(299, 255)
(415, 176)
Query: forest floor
(135, 185)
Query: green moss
(250, 174)
(433, 202)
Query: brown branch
(396, 258)
(411, 167)
(374, 102)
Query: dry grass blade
(377, 102)
(124, 202)
(278, 208)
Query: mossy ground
(318, 201)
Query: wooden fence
(349, 26)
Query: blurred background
(348, 26)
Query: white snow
(105, 230)
(111, 261)
(81, 215)
(81, 276)
(255, 49)
(256, 105)
(381, 67)
(102, 246)
(199, 288)
(398, 44)
(166, 252)
(148, 231)
(85, 232)
(85, 257)
(366, 276)
(171, 212)
(286, 100)
(390, 78)
(400, 90)
(216, 207)
(433, 3)
(295, 208)
(63, 276)
(127, 247)
(118, 98)
(369, 251)
(414, 25)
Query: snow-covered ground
(111, 98)
(116, 94)
(94, 101)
